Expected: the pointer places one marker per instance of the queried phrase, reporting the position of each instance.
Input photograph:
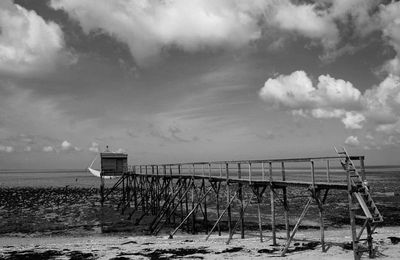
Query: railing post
(239, 172)
(362, 168)
(194, 169)
(270, 172)
(250, 172)
(313, 176)
(209, 170)
(328, 177)
(262, 171)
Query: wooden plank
(290, 238)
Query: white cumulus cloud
(94, 147)
(352, 141)
(148, 27)
(330, 98)
(27, 42)
(307, 20)
(48, 149)
(67, 146)
(390, 25)
(378, 107)
(6, 148)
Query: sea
(48, 178)
(82, 178)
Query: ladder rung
(360, 217)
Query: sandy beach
(68, 223)
(133, 246)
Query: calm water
(57, 178)
(82, 178)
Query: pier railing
(299, 170)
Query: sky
(202, 80)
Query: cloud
(94, 148)
(378, 108)
(353, 120)
(120, 150)
(352, 141)
(390, 24)
(28, 44)
(148, 27)
(6, 148)
(307, 20)
(330, 98)
(48, 149)
(67, 146)
(296, 91)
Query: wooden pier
(179, 195)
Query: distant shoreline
(41, 171)
(367, 167)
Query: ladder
(360, 200)
(360, 189)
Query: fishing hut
(192, 195)
(113, 165)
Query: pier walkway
(187, 195)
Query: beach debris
(394, 240)
(268, 251)
(169, 253)
(129, 242)
(347, 246)
(231, 250)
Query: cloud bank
(379, 106)
(147, 26)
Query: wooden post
(262, 172)
(135, 188)
(240, 193)
(272, 197)
(228, 195)
(101, 189)
(285, 204)
(357, 256)
(259, 199)
(328, 174)
(194, 212)
(250, 172)
(187, 206)
(180, 193)
(290, 238)
(369, 240)
(313, 177)
(205, 208)
(362, 168)
(321, 217)
(218, 188)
